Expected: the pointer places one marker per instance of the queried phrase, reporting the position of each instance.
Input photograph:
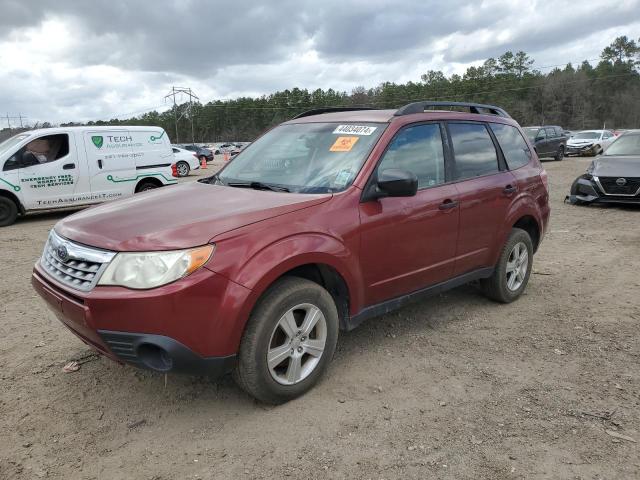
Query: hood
(178, 217)
(580, 141)
(616, 166)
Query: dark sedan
(613, 177)
(200, 152)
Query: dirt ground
(455, 387)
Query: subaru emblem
(621, 182)
(63, 254)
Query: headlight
(142, 270)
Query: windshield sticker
(343, 144)
(342, 178)
(355, 129)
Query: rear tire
(146, 185)
(560, 154)
(8, 212)
(183, 169)
(284, 352)
(513, 269)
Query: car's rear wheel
(560, 154)
(513, 269)
(183, 169)
(8, 211)
(289, 341)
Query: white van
(74, 166)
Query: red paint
(382, 249)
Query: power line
(186, 91)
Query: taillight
(174, 170)
(545, 180)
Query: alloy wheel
(297, 344)
(517, 266)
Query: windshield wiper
(258, 186)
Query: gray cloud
(77, 60)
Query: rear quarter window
(515, 149)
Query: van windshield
(304, 157)
(10, 143)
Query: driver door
(408, 243)
(49, 180)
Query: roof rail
(318, 111)
(420, 107)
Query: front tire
(183, 169)
(513, 269)
(289, 341)
(8, 212)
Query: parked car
(77, 166)
(548, 141)
(328, 220)
(185, 161)
(201, 152)
(613, 177)
(589, 142)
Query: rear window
(515, 149)
(474, 152)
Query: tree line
(576, 97)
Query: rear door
(553, 140)
(410, 242)
(112, 168)
(485, 189)
(152, 154)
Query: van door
(49, 172)
(112, 169)
(153, 154)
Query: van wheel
(289, 340)
(513, 269)
(145, 185)
(8, 211)
(183, 169)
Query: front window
(304, 157)
(45, 149)
(587, 136)
(628, 144)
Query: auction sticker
(343, 144)
(355, 129)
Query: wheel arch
(529, 224)
(11, 196)
(153, 180)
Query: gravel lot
(454, 387)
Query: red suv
(327, 220)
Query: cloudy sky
(79, 60)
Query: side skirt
(395, 303)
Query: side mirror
(394, 182)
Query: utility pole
(186, 91)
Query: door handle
(99, 163)
(448, 204)
(69, 166)
(509, 189)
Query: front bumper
(585, 190)
(193, 325)
(580, 150)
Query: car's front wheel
(289, 340)
(511, 273)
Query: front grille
(610, 185)
(73, 264)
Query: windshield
(9, 143)
(305, 157)
(627, 144)
(587, 136)
(531, 132)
